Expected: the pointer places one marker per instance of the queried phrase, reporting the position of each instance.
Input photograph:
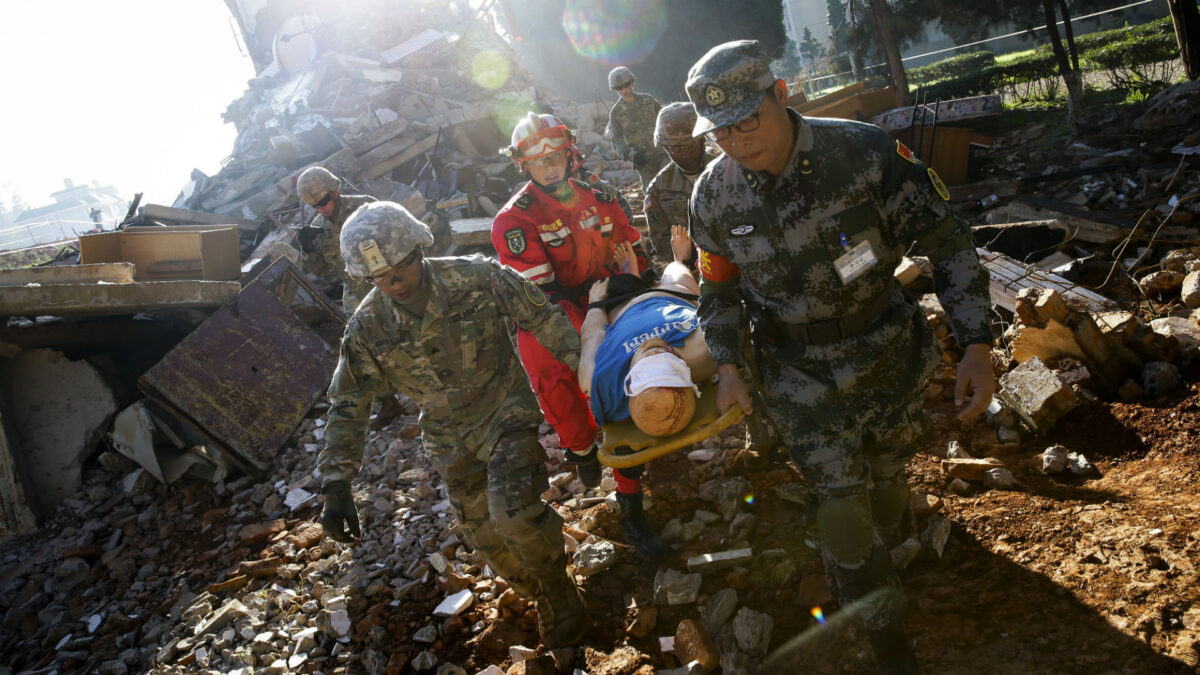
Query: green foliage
(1135, 63)
(963, 65)
(1131, 56)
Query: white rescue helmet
(537, 136)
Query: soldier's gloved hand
(587, 466)
(340, 517)
(307, 238)
(639, 159)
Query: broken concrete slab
(58, 409)
(16, 517)
(114, 299)
(112, 273)
(1036, 393)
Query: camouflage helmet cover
(619, 77)
(315, 183)
(377, 236)
(674, 124)
(536, 136)
(727, 83)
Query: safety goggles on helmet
(541, 143)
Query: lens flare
(489, 70)
(749, 499)
(818, 614)
(615, 32)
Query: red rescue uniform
(563, 246)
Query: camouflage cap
(378, 236)
(674, 124)
(727, 83)
(315, 183)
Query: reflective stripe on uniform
(540, 273)
(555, 235)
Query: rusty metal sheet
(250, 373)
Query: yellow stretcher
(625, 445)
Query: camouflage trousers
(519, 535)
(853, 457)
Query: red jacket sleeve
(517, 242)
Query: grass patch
(1010, 57)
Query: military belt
(833, 330)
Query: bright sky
(126, 92)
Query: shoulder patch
(903, 151)
(939, 185)
(524, 201)
(534, 294)
(514, 239)
(604, 197)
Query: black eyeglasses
(744, 126)
(324, 200)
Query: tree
(1185, 14)
(810, 49)
(1066, 56)
(788, 65)
(571, 46)
(887, 38)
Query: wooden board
(1007, 277)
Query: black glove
(639, 158)
(340, 517)
(587, 466)
(308, 237)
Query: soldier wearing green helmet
(436, 329)
(799, 227)
(320, 189)
(666, 202)
(631, 125)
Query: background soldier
(631, 123)
(437, 330)
(802, 223)
(560, 234)
(321, 190)
(666, 204)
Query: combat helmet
(377, 236)
(619, 77)
(315, 183)
(674, 124)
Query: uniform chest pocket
(852, 226)
(749, 248)
(481, 337)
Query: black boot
(892, 651)
(638, 532)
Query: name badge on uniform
(855, 262)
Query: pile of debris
(412, 109)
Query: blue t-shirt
(672, 319)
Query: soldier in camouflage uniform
(666, 203)
(800, 226)
(320, 189)
(437, 330)
(631, 125)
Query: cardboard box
(206, 252)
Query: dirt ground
(1052, 576)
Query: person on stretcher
(642, 350)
